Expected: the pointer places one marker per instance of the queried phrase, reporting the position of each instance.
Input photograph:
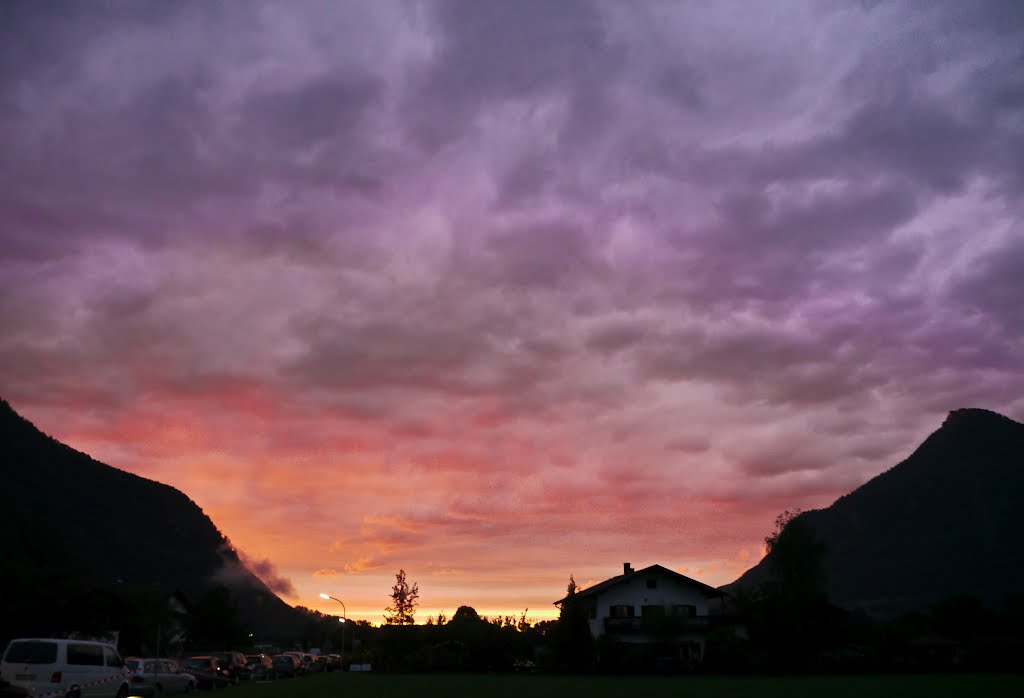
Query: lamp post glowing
(343, 619)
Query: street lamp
(343, 619)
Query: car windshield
(196, 663)
(31, 652)
(133, 664)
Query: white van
(66, 668)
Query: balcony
(675, 625)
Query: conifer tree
(404, 600)
(574, 645)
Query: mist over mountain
(945, 520)
(70, 522)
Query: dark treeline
(784, 625)
(767, 635)
(787, 624)
(958, 633)
(465, 642)
(771, 631)
(146, 620)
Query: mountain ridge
(65, 516)
(943, 520)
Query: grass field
(505, 686)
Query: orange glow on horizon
(332, 520)
(425, 614)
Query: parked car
(9, 691)
(153, 678)
(234, 663)
(207, 671)
(299, 667)
(259, 666)
(284, 666)
(65, 667)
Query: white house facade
(653, 605)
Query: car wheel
(158, 691)
(122, 692)
(190, 686)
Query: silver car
(154, 678)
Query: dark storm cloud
(742, 354)
(779, 462)
(697, 444)
(493, 52)
(363, 355)
(616, 335)
(681, 85)
(322, 110)
(63, 60)
(316, 133)
(48, 41)
(799, 224)
(923, 142)
(994, 287)
(545, 254)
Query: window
(653, 611)
(652, 583)
(621, 611)
(31, 652)
(592, 612)
(112, 657)
(85, 655)
(684, 610)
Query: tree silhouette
(404, 600)
(213, 620)
(573, 643)
(797, 556)
(791, 619)
(465, 614)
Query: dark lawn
(505, 686)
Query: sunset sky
(503, 292)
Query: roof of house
(709, 591)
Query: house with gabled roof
(653, 605)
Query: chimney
(626, 569)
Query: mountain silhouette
(946, 520)
(73, 522)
